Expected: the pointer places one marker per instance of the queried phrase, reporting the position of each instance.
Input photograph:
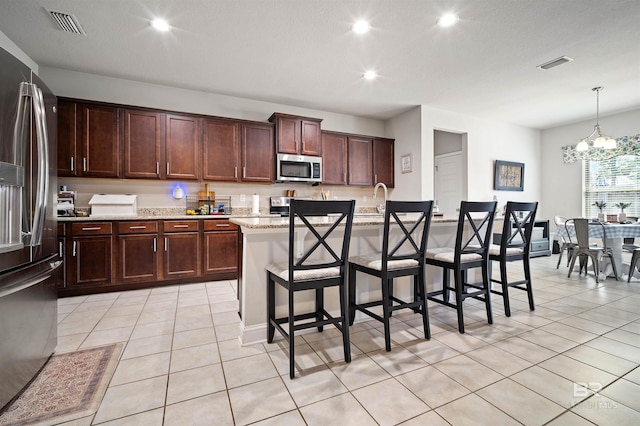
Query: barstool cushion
(374, 261)
(494, 250)
(282, 270)
(447, 254)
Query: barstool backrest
(413, 242)
(475, 228)
(517, 229)
(320, 219)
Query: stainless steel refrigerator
(28, 240)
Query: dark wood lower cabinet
(145, 253)
(91, 261)
(220, 247)
(181, 255)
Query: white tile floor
(183, 365)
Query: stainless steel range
(280, 205)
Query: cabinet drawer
(180, 225)
(539, 245)
(219, 225)
(142, 227)
(91, 228)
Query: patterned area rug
(69, 387)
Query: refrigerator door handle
(25, 282)
(42, 188)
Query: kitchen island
(265, 241)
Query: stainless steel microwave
(298, 168)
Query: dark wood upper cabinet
(100, 141)
(360, 161)
(221, 148)
(258, 154)
(334, 158)
(142, 144)
(383, 170)
(182, 147)
(69, 125)
(297, 135)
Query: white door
(448, 182)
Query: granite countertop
(358, 220)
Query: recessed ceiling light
(448, 20)
(160, 25)
(370, 75)
(361, 27)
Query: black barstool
(321, 265)
(405, 257)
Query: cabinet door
(142, 137)
(288, 135)
(334, 159)
(258, 154)
(221, 146)
(360, 161)
(181, 255)
(311, 139)
(91, 261)
(383, 162)
(100, 141)
(220, 252)
(182, 142)
(69, 123)
(138, 257)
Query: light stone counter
(265, 241)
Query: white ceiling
(302, 52)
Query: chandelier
(596, 139)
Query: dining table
(613, 235)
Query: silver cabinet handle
(235, 172)
(72, 165)
(167, 168)
(73, 250)
(345, 177)
(60, 253)
(180, 226)
(222, 225)
(303, 146)
(244, 172)
(158, 168)
(155, 244)
(166, 244)
(138, 227)
(375, 178)
(96, 228)
(84, 164)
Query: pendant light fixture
(596, 139)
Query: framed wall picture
(508, 176)
(406, 164)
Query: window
(613, 180)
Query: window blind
(612, 180)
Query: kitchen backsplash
(158, 194)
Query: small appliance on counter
(66, 202)
(280, 205)
(107, 205)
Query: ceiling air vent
(555, 62)
(67, 22)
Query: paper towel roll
(255, 204)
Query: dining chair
(635, 260)
(585, 251)
(404, 256)
(515, 245)
(314, 264)
(567, 243)
(471, 251)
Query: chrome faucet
(381, 206)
